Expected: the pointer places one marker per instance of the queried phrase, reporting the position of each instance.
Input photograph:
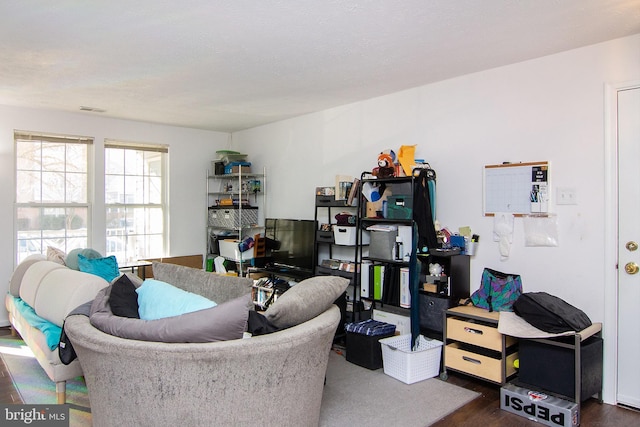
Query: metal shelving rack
(241, 188)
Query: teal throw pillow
(107, 267)
(157, 300)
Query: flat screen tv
(291, 242)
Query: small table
(135, 265)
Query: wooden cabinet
(474, 346)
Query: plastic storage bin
(229, 216)
(400, 207)
(230, 250)
(382, 243)
(409, 366)
(346, 235)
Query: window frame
(163, 194)
(65, 205)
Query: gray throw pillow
(71, 260)
(18, 274)
(213, 286)
(306, 300)
(226, 321)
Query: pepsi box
(539, 407)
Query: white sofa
(53, 291)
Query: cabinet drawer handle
(473, 331)
(468, 359)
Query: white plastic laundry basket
(409, 366)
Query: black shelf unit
(366, 259)
(455, 266)
(326, 206)
(424, 305)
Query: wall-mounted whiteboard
(517, 188)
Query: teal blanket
(50, 330)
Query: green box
(400, 207)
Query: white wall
(550, 108)
(190, 154)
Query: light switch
(566, 196)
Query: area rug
(35, 387)
(357, 396)
(352, 395)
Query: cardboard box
(540, 407)
(243, 169)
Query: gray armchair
(268, 380)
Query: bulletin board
(517, 188)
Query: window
(135, 200)
(52, 199)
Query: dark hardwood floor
(483, 411)
(8, 393)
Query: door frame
(610, 321)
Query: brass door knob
(631, 246)
(631, 268)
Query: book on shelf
(353, 192)
(343, 186)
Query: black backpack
(550, 313)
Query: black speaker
(432, 308)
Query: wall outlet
(566, 196)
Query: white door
(628, 125)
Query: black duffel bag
(550, 313)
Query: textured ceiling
(234, 64)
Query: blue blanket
(50, 330)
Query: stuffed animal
(385, 168)
(435, 269)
